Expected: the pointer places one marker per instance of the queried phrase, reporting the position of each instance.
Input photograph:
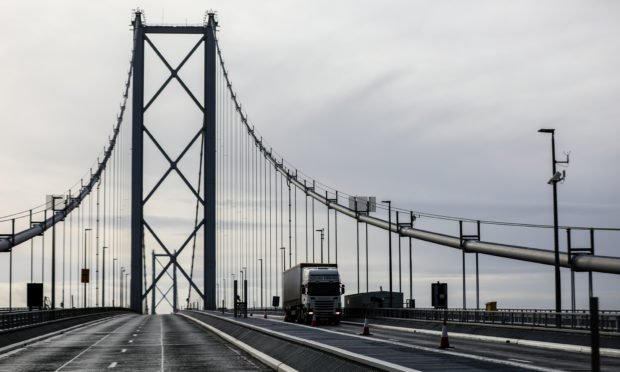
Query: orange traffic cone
(366, 331)
(313, 320)
(444, 343)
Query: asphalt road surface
(552, 359)
(132, 342)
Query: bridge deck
(131, 342)
(169, 342)
(407, 356)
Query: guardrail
(255, 310)
(12, 309)
(609, 321)
(24, 318)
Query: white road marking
(88, 348)
(161, 340)
(241, 355)
(520, 360)
(112, 365)
(12, 352)
(60, 334)
(130, 341)
(233, 350)
(124, 350)
(135, 335)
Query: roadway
(541, 357)
(175, 342)
(131, 342)
(420, 351)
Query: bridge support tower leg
(137, 135)
(209, 164)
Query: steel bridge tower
(207, 133)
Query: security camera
(556, 178)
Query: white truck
(310, 289)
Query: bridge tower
(207, 199)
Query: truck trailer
(312, 289)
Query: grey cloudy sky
(434, 105)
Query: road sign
(85, 275)
(34, 295)
(363, 204)
(439, 295)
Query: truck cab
(311, 289)
(321, 290)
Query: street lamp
(54, 210)
(114, 281)
(125, 289)
(120, 290)
(242, 277)
(261, 282)
(233, 287)
(283, 249)
(84, 281)
(103, 277)
(225, 295)
(322, 236)
(389, 203)
(555, 178)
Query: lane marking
(112, 365)
(264, 358)
(242, 356)
(9, 350)
(130, 341)
(520, 360)
(161, 340)
(124, 350)
(135, 335)
(88, 348)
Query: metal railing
(25, 318)
(609, 321)
(12, 309)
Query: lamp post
(283, 249)
(242, 277)
(84, 267)
(54, 210)
(322, 237)
(556, 177)
(103, 277)
(125, 289)
(389, 203)
(114, 281)
(233, 287)
(261, 282)
(120, 290)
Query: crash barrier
(25, 318)
(609, 321)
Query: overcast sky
(434, 105)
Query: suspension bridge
(205, 230)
